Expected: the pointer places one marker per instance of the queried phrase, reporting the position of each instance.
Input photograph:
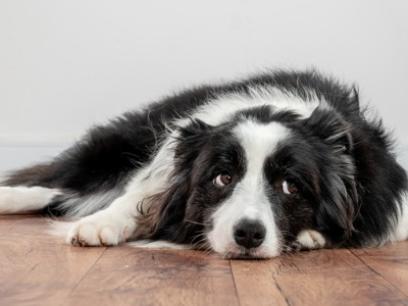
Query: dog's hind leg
(22, 199)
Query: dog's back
(94, 171)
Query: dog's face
(254, 184)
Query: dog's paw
(100, 230)
(310, 239)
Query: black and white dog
(277, 162)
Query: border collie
(277, 162)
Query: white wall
(67, 64)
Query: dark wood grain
(36, 269)
(145, 277)
(256, 284)
(390, 262)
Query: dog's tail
(26, 190)
(38, 189)
(37, 175)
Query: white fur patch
(107, 227)
(147, 244)
(59, 228)
(221, 109)
(269, 95)
(311, 239)
(80, 206)
(401, 229)
(25, 199)
(248, 200)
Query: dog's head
(248, 187)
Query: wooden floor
(36, 269)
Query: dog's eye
(289, 188)
(222, 180)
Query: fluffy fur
(277, 162)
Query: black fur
(351, 183)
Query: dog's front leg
(110, 226)
(118, 222)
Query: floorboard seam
(281, 291)
(235, 283)
(87, 271)
(377, 273)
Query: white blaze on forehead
(249, 200)
(259, 141)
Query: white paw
(100, 229)
(310, 239)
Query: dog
(278, 162)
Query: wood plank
(255, 282)
(338, 288)
(129, 276)
(341, 279)
(308, 262)
(36, 269)
(391, 262)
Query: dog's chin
(236, 252)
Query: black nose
(249, 233)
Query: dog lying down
(278, 162)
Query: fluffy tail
(37, 189)
(26, 190)
(24, 199)
(38, 175)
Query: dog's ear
(331, 129)
(192, 138)
(339, 197)
(338, 207)
(171, 221)
(174, 221)
(172, 211)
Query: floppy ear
(191, 140)
(168, 219)
(339, 198)
(170, 223)
(337, 208)
(332, 129)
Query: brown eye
(289, 188)
(222, 180)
